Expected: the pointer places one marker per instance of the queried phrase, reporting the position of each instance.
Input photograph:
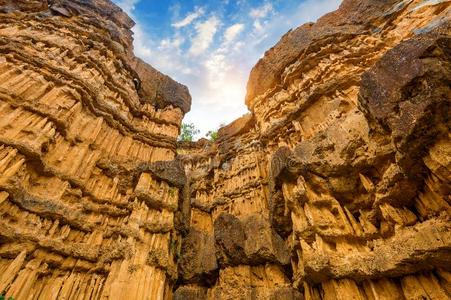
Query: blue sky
(211, 46)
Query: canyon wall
(89, 184)
(336, 185)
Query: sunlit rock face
(89, 184)
(336, 185)
(342, 166)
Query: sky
(211, 46)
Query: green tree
(188, 131)
(212, 135)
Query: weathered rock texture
(336, 185)
(89, 184)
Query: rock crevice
(336, 185)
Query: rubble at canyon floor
(336, 185)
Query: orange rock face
(342, 165)
(89, 185)
(336, 185)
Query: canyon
(335, 185)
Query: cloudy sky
(211, 46)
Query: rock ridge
(344, 158)
(336, 184)
(89, 180)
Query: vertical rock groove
(336, 185)
(88, 178)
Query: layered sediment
(88, 173)
(336, 185)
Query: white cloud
(127, 5)
(216, 70)
(258, 25)
(261, 12)
(205, 33)
(189, 18)
(174, 43)
(217, 67)
(267, 32)
(141, 49)
(232, 32)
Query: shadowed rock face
(159, 89)
(344, 160)
(335, 186)
(407, 93)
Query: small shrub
(3, 296)
(188, 131)
(212, 135)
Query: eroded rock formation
(336, 185)
(89, 183)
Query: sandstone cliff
(89, 183)
(336, 185)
